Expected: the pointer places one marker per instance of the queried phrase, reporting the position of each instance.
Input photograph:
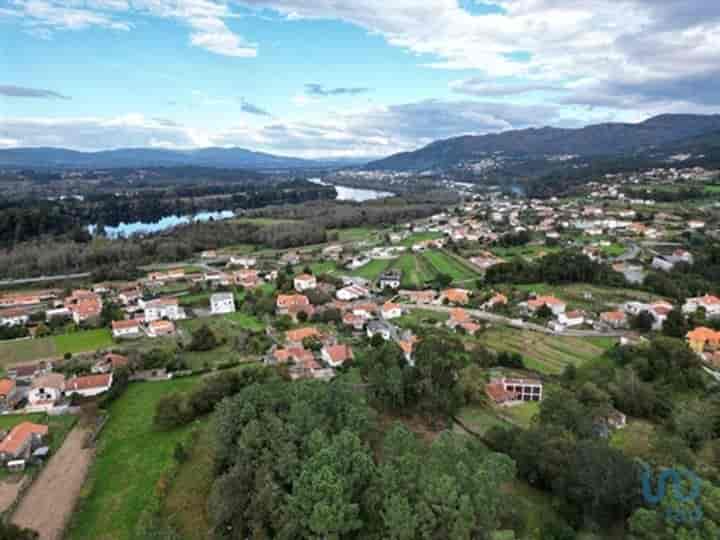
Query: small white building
(352, 292)
(126, 329)
(305, 282)
(222, 303)
(14, 317)
(391, 310)
(162, 308)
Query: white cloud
(369, 132)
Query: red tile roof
(7, 386)
(89, 381)
(19, 435)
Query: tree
(643, 321)
(111, 312)
(204, 339)
(170, 412)
(675, 324)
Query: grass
(245, 321)
(444, 263)
(201, 299)
(372, 270)
(602, 298)
(528, 251)
(481, 419)
(415, 273)
(421, 317)
(634, 439)
(354, 233)
(524, 413)
(545, 353)
(131, 460)
(88, 340)
(185, 505)
(31, 350)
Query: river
(354, 194)
(125, 230)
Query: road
(49, 503)
(507, 321)
(41, 279)
(629, 255)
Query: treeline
(34, 217)
(119, 258)
(556, 268)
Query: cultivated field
(445, 263)
(545, 353)
(30, 350)
(131, 459)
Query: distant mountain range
(229, 158)
(553, 144)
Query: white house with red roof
(305, 282)
(89, 385)
(391, 310)
(126, 329)
(710, 303)
(336, 355)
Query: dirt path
(51, 499)
(9, 489)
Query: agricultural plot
(372, 270)
(444, 263)
(589, 297)
(420, 237)
(415, 271)
(30, 350)
(544, 353)
(132, 458)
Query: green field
(354, 234)
(132, 458)
(542, 352)
(415, 271)
(200, 300)
(589, 297)
(444, 263)
(185, 506)
(89, 340)
(420, 317)
(30, 350)
(373, 269)
(420, 237)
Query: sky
(343, 78)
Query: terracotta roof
(116, 360)
(459, 315)
(613, 316)
(704, 334)
(498, 394)
(124, 325)
(89, 381)
(305, 277)
(302, 333)
(545, 300)
(6, 387)
(339, 353)
(19, 435)
(388, 306)
(285, 300)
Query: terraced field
(415, 271)
(444, 263)
(544, 353)
(372, 270)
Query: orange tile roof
(19, 435)
(704, 334)
(613, 316)
(6, 387)
(302, 333)
(88, 381)
(285, 300)
(339, 353)
(459, 315)
(124, 325)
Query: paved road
(41, 279)
(506, 321)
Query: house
(390, 279)
(297, 336)
(84, 305)
(304, 282)
(45, 392)
(380, 328)
(8, 394)
(336, 355)
(711, 305)
(663, 263)
(293, 304)
(209, 254)
(15, 300)
(333, 252)
(126, 329)
(26, 372)
(160, 328)
(352, 292)
(162, 308)
(507, 391)
(248, 279)
(290, 258)
(367, 310)
(614, 319)
(458, 316)
(222, 303)
(357, 322)
(89, 385)
(455, 296)
(420, 297)
(129, 296)
(703, 339)
(497, 300)
(555, 305)
(244, 261)
(391, 310)
(571, 318)
(109, 363)
(14, 317)
(21, 441)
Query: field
(30, 350)
(419, 317)
(589, 297)
(420, 237)
(131, 460)
(523, 414)
(372, 270)
(528, 251)
(444, 263)
(185, 506)
(415, 272)
(541, 352)
(354, 234)
(89, 340)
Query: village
(309, 311)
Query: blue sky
(321, 78)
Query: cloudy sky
(331, 78)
